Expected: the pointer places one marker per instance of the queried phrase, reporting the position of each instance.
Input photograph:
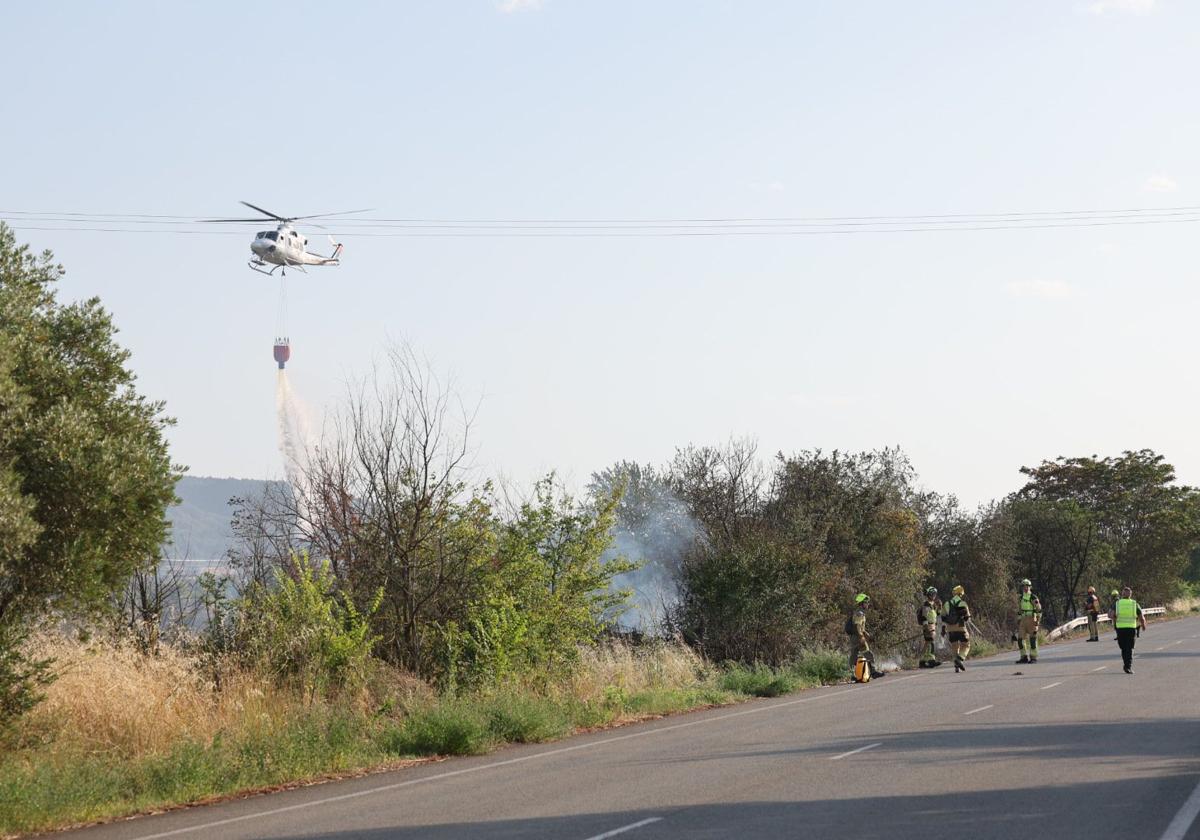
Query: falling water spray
(295, 432)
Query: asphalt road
(1069, 748)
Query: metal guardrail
(1082, 622)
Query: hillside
(200, 523)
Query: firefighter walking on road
(1092, 605)
(1128, 618)
(860, 639)
(955, 615)
(1029, 616)
(927, 616)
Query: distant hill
(200, 523)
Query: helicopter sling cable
(283, 346)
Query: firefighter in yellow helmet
(1091, 605)
(860, 639)
(927, 616)
(1029, 616)
(955, 615)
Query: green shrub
(821, 667)
(449, 728)
(524, 719)
(21, 678)
(758, 681)
(981, 646)
(308, 633)
(662, 701)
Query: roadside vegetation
(387, 604)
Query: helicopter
(284, 247)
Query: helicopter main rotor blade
(268, 212)
(326, 215)
(256, 221)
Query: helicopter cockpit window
(271, 234)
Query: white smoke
(662, 532)
(295, 431)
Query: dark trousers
(1126, 636)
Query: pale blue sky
(976, 352)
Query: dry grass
(121, 731)
(618, 666)
(1183, 605)
(110, 699)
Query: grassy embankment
(121, 732)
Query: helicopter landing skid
(256, 265)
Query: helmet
(958, 590)
(860, 597)
(1091, 589)
(931, 591)
(1114, 592)
(1025, 582)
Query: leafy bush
(307, 633)
(21, 677)
(448, 728)
(758, 681)
(524, 718)
(821, 667)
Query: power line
(642, 233)
(151, 218)
(626, 228)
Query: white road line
(1157, 649)
(980, 709)
(1101, 668)
(1176, 642)
(1179, 826)
(505, 763)
(860, 749)
(625, 828)
(1050, 686)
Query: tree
(457, 592)
(1151, 522)
(1060, 547)
(974, 550)
(779, 562)
(85, 477)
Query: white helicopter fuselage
(285, 247)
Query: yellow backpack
(862, 670)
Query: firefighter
(927, 616)
(955, 615)
(860, 639)
(1029, 616)
(1128, 618)
(1092, 605)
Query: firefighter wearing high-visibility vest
(927, 616)
(1029, 616)
(1128, 618)
(955, 615)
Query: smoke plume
(657, 535)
